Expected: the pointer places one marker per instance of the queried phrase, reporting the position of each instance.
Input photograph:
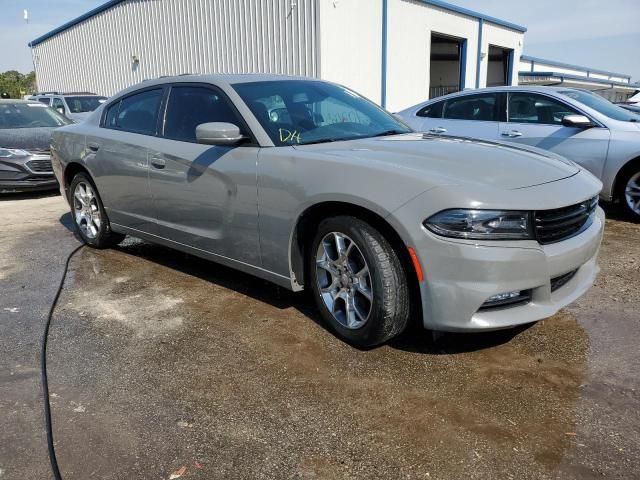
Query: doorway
(500, 66)
(446, 64)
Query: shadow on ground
(415, 338)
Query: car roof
(229, 78)
(507, 88)
(16, 100)
(70, 94)
(222, 79)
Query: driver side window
(534, 108)
(57, 103)
(190, 106)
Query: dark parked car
(25, 133)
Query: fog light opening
(507, 299)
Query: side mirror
(218, 133)
(60, 110)
(577, 121)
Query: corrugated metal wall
(179, 36)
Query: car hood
(36, 139)
(455, 160)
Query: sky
(601, 34)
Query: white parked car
(577, 124)
(76, 106)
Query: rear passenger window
(431, 111)
(138, 113)
(111, 118)
(472, 107)
(191, 106)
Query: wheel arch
(632, 164)
(305, 228)
(70, 171)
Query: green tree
(17, 84)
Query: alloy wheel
(86, 209)
(344, 280)
(632, 193)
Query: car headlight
(12, 152)
(481, 224)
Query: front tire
(358, 282)
(88, 214)
(629, 194)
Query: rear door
(474, 115)
(205, 196)
(536, 119)
(118, 157)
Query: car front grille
(40, 165)
(561, 223)
(562, 280)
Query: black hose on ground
(43, 369)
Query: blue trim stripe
(567, 76)
(383, 67)
(553, 63)
(510, 61)
(75, 21)
(474, 14)
(463, 64)
(479, 56)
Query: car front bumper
(461, 276)
(29, 173)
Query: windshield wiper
(322, 140)
(386, 133)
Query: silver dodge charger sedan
(307, 184)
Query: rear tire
(629, 193)
(358, 282)
(90, 219)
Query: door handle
(158, 162)
(94, 147)
(438, 130)
(512, 134)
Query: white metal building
(396, 52)
(616, 87)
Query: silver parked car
(308, 185)
(577, 124)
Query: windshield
(300, 112)
(85, 103)
(601, 105)
(30, 115)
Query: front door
(536, 120)
(204, 196)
